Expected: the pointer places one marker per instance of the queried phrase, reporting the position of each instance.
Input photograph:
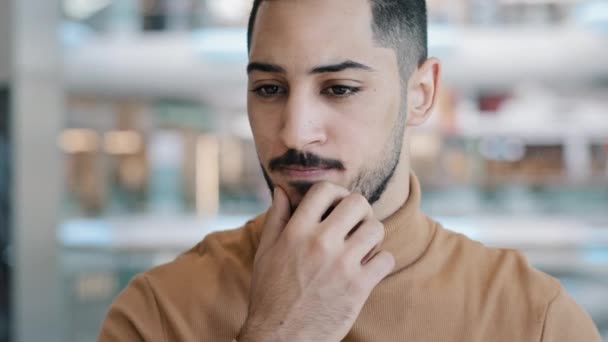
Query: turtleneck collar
(408, 232)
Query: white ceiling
(177, 66)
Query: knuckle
(386, 262)
(362, 204)
(359, 199)
(321, 246)
(343, 266)
(377, 230)
(322, 187)
(357, 286)
(325, 188)
(292, 236)
(372, 232)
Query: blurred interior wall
(5, 34)
(36, 118)
(5, 274)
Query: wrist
(259, 331)
(249, 332)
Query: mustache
(304, 159)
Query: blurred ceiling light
(230, 10)
(78, 140)
(82, 9)
(122, 142)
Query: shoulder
(197, 294)
(565, 320)
(221, 264)
(499, 266)
(495, 278)
(500, 283)
(229, 250)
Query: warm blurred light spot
(133, 173)
(122, 142)
(207, 175)
(231, 161)
(95, 286)
(78, 140)
(425, 145)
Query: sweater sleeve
(134, 315)
(566, 321)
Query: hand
(312, 274)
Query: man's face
(324, 99)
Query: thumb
(276, 219)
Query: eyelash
(349, 91)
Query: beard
(371, 181)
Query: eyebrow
(340, 67)
(264, 67)
(273, 68)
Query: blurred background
(124, 140)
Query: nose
(302, 123)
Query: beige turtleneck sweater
(444, 287)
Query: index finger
(318, 200)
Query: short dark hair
(398, 24)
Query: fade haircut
(397, 24)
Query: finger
(347, 215)
(378, 267)
(276, 219)
(318, 200)
(363, 242)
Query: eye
(341, 91)
(269, 90)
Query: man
(344, 252)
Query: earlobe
(422, 91)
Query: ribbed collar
(408, 232)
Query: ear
(422, 90)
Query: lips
(303, 172)
(302, 168)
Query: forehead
(302, 33)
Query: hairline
(406, 60)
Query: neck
(398, 189)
